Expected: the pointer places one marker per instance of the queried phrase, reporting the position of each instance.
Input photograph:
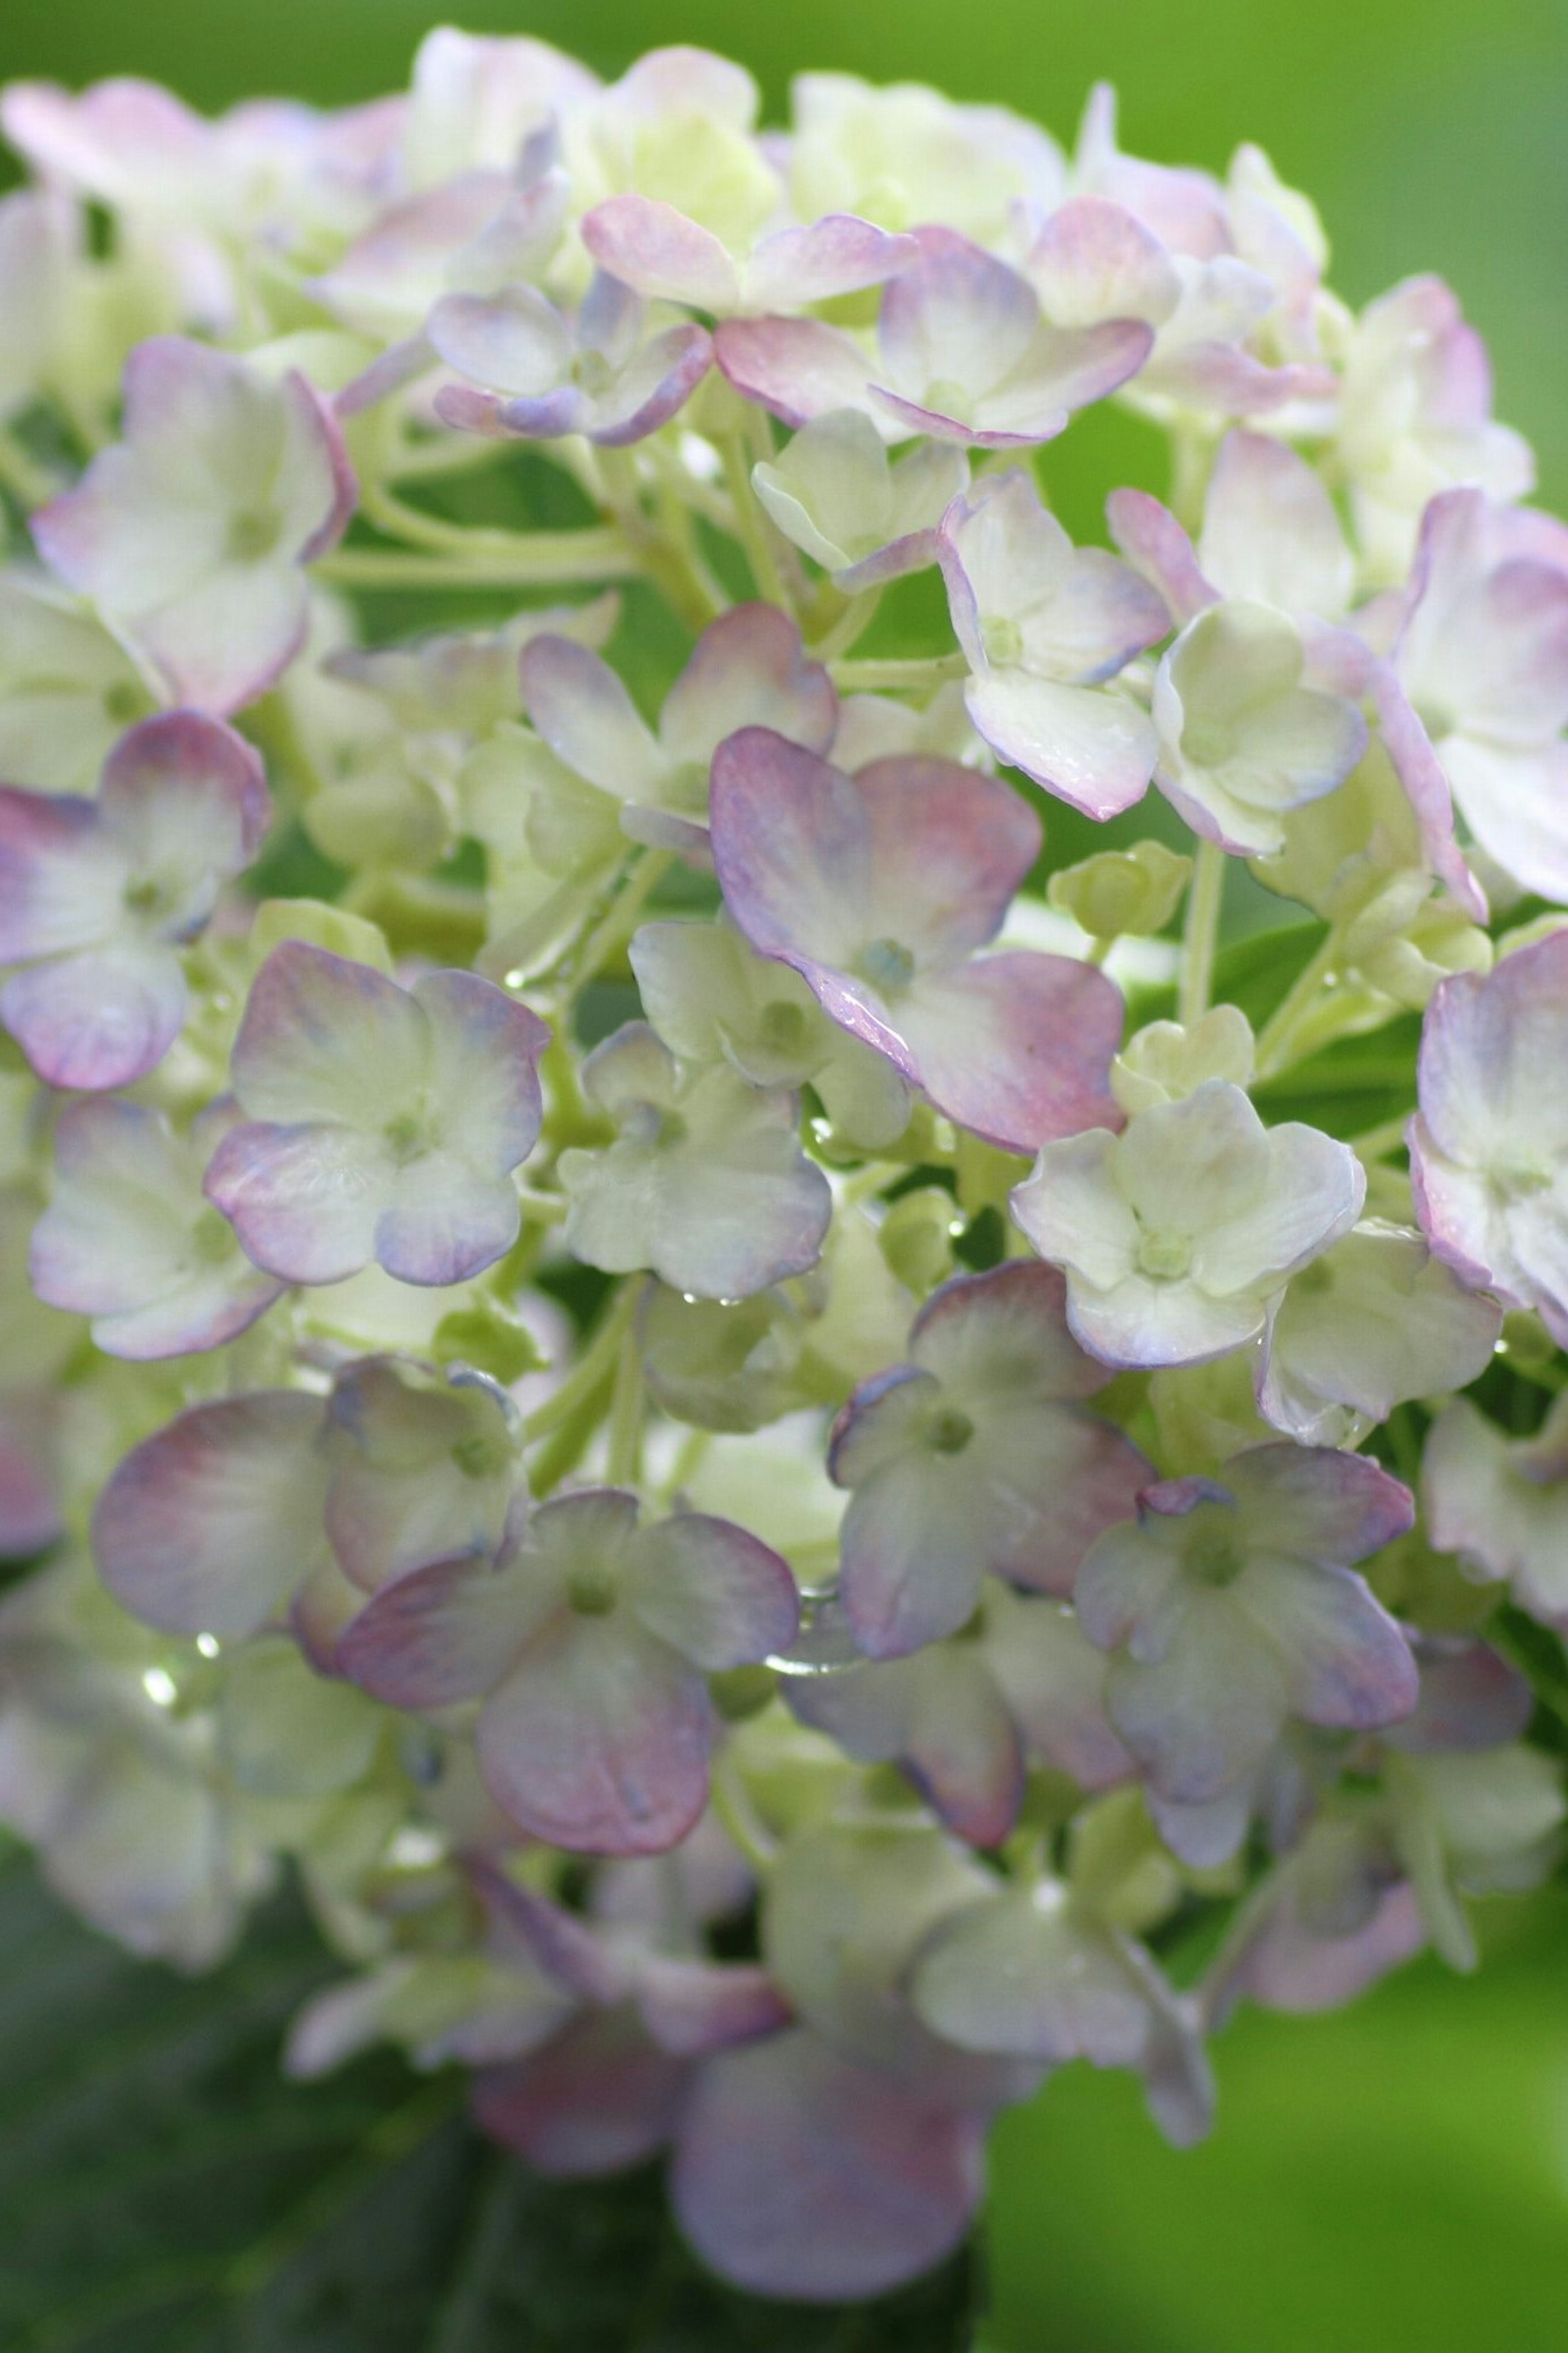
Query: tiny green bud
(488, 1336)
(1118, 892)
(917, 1235)
(319, 926)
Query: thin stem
(1206, 894)
(850, 626)
(750, 523)
(593, 1370)
(1379, 1142)
(546, 559)
(624, 1460)
(899, 677)
(20, 473)
(739, 1818)
(1274, 1040)
(605, 943)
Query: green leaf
(1390, 2176)
(164, 2191)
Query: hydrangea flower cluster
(681, 1317)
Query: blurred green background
(1395, 2177)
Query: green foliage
(164, 2191)
(1389, 2177)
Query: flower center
(1214, 1560)
(887, 966)
(252, 536)
(949, 1432)
(212, 1237)
(591, 1589)
(480, 1456)
(592, 374)
(783, 1025)
(407, 1138)
(1003, 640)
(1167, 1256)
(946, 398)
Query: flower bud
(1116, 891)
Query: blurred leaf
(165, 2190)
(1393, 2176)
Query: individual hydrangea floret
(711, 998)
(67, 691)
(96, 896)
(1044, 626)
(1488, 1147)
(965, 353)
(748, 669)
(587, 1639)
(191, 534)
(963, 1716)
(661, 253)
(1501, 1503)
(131, 1240)
(880, 889)
(1176, 1235)
(531, 370)
(706, 1182)
(379, 1122)
(1481, 648)
(1374, 1323)
(1232, 1606)
(864, 517)
(973, 1458)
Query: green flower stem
(594, 1371)
(545, 559)
(753, 528)
(1276, 1039)
(627, 1403)
(740, 1818)
(899, 677)
(1379, 1142)
(606, 943)
(1204, 897)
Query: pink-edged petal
(749, 669)
(306, 1202)
(1471, 1698)
(1094, 748)
(599, 2096)
(441, 1634)
(326, 1038)
(485, 1051)
(799, 2174)
(714, 1593)
(1346, 1662)
(588, 720)
(1094, 260)
(693, 2007)
(940, 1715)
(1053, 1680)
(598, 1738)
(512, 343)
(654, 384)
(1271, 532)
(1516, 803)
(795, 368)
(208, 1525)
(1204, 1717)
(1289, 1967)
(838, 254)
(1017, 1047)
(1427, 787)
(102, 1017)
(61, 884)
(661, 253)
(1154, 543)
(815, 865)
(1004, 1334)
(1319, 1501)
(183, 791)
(445, 1220)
